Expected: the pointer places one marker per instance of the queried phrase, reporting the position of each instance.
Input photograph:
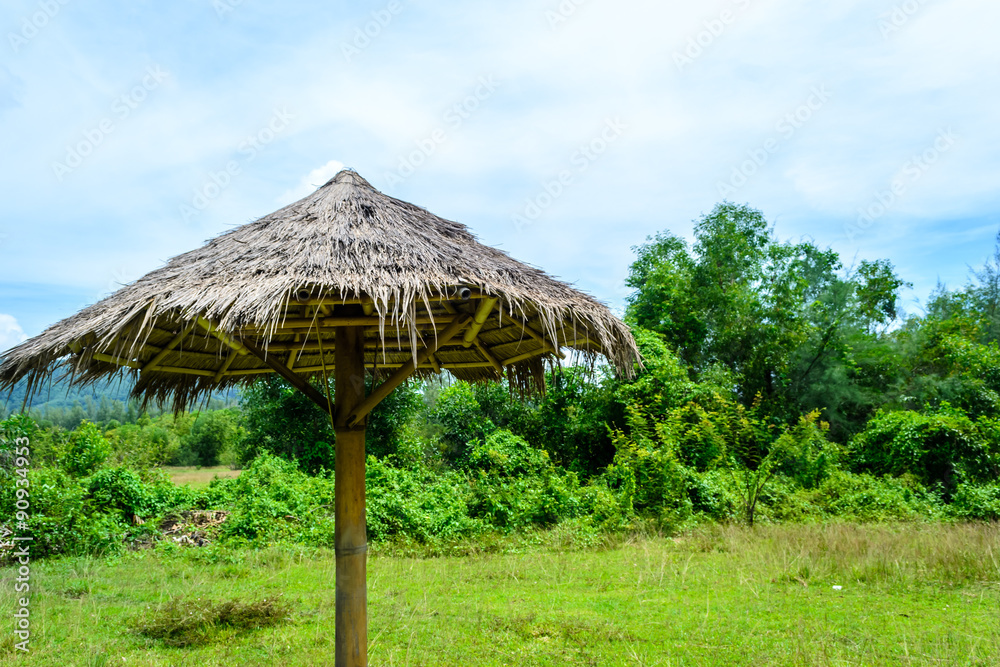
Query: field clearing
(198, 478)
(911, 595)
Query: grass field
(198, 477)
(911, 595)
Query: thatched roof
(345, 255)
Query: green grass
(198, 478)
(912, 595)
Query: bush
(507, 455)
(120, 490)
(943, 447)
(86, 450)
(976, 503)
(418, 504)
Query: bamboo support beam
(184, 371)
(223, 336)
(316, 369)
(233, 355)
(107, 358)
(482, 314)
(523, 357)
(528, 329)
(483, 350)
(151, 364)
(403, 373)
(332, 301)
(295, 380)
(293, 323)
(118, 361)
(293, 355)
(391, 345)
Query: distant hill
(109, 397)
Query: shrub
(120, 490)
(86, 450)
(417, 503)
(942, 447)
(976, 503)
(504, 454)
(804, 454)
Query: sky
(563, 131)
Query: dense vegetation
(777, 385)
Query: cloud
(311, 181)
(563, 69)
(10, 332)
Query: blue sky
(563, 131)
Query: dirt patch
(193, 527)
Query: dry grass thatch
(345, 255)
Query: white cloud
(10, 332)
(311, 181)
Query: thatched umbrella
(347, 281)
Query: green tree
(280, 420)
(213, 433)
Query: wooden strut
(222, 336)
(292, 323)
(488, 355)
(527, 328)
(406, 371)
(151, 364)
(225, 367)
(365, 301)
(427, 366)
(482, 313)
(295, 380)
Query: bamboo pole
(225, 367)
(108, 359)
(482, 313)
(403, 373)
(333, 301)
(350, 538)
(296, 381)
(223, 336)
(488, 355)
(293, 323)
(428, 366)
(526, 355)
(151, 364)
